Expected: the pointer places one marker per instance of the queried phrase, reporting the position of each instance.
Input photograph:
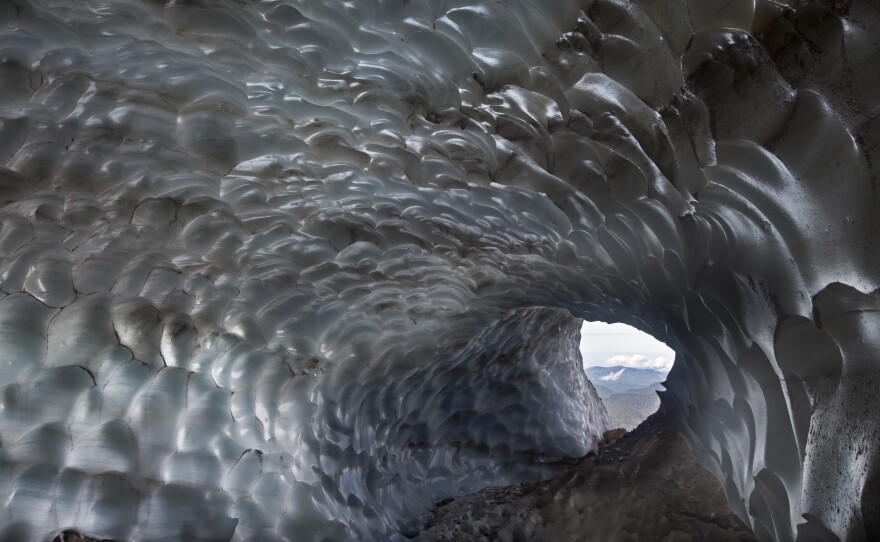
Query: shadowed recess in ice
(297, 269)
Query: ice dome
(296, 269)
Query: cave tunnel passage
(296, 270)
(520, 390)
(626, 367)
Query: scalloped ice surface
(295, 270)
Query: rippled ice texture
(297, 269)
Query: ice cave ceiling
(296, 269)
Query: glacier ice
(296, 269)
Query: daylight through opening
(627, 367)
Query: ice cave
(299, 270)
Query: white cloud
(612, 376)
(659, 363)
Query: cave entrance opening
(627, 367)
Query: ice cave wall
(296, 269)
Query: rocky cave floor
(643, 485)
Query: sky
(607, 345)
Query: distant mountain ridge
(629, 394)
(619, 378)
